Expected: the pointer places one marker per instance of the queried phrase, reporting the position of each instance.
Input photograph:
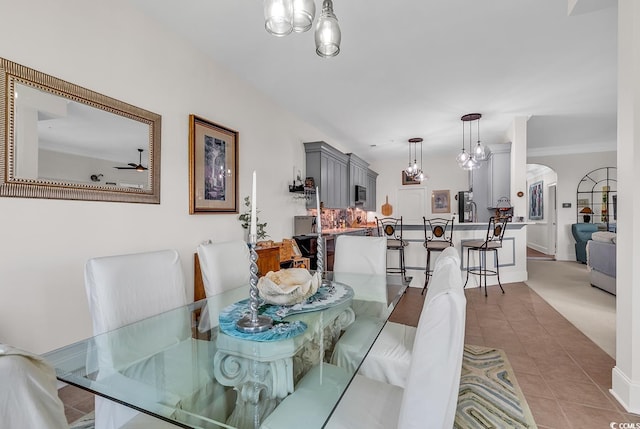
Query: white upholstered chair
(127, 288)
(389, 358)
(430, 397)
(360, 254)
(224, 266)
(360, 262)
(28, 393)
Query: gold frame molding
(11, 186)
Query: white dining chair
(430, 396)
(223, 266)
(360, 262)
(429, 399)
(389, 358)
(127, 288)
(28, 392)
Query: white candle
(253, 231)
(319, 214)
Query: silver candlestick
(254, 323)
(320, 260)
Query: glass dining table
(192, 368)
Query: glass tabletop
(180, 366)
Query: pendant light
(472, 159)
(278, 17)
(327, 32)
(414, 171)
(303, 13)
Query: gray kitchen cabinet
(372, 178)
(357, 177)
(491, 181)
(499, 173)
(329, 169)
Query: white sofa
(601, 260)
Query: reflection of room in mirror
(62, 140)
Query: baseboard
(625, 391)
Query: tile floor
(565, 377)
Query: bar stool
(493, 242)
(391, 228)
(438, 235)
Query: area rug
(489, 393)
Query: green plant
(245, 218)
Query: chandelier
(478, 153)
(413, 171)
(281, 17)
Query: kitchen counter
(338, 231)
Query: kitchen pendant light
(477, 154)
(278, 17)
(327, 34)
(414, 171)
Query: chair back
(224, 266)
(390, 227)
(360, 254)
(496, 229)
(28, 392)
(431, 394)
(126, 288)
(438, 230)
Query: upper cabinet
(357, 177)
(372, 178)
(499, 173)
(329, 169)
(337, 174)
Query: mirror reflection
(65, 141)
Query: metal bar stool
(391, 228)
(438, 235)
(493, 242)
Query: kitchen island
(512, 256)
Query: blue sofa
(582, 233)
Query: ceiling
(412, 68)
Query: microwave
(361, 194)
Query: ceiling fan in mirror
(132, 166)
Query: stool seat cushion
(436, 245)
(396, 244)
(477, 244)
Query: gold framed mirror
(63, 141)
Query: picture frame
(441, 201)
(408, 181)
(212, 147)
(536, 209)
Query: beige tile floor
(564, 376)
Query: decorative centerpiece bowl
(289, 286)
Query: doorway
(542, 228)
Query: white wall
(444, 174)
(110, 48)
(570, 169)
(538, 231)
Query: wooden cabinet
(329, 169)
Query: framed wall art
(213, 167)
(440, 202)
(408, 181)
(536, 211)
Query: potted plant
(245, 218)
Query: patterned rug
(489, 393)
